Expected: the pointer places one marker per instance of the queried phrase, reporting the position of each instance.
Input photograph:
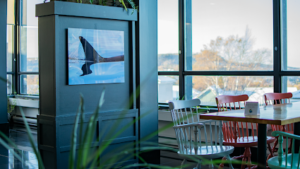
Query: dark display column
(59, 101)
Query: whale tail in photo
(92, 57)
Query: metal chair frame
(284, 159)
(190, 131)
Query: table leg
(297, 132)
(262, 146)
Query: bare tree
(233, 53)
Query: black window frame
(16, 72)
(279, 21)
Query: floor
(24, 150)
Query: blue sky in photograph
(107, 43)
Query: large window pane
(10, 47)
(290, 35)
(229, 35)
(29, 84)
(291, 84)
(206, 88)
(11, 12)
(9, 84)
(29, 36)
(168, 88)
(168, 35)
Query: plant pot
(102, 2)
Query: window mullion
(277, 45)
(181, 48)
(17, 47)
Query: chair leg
(183, 163)
(249, 158)
(222, 163)
(230, 164)
(244, 160)
(198, 165)
(274, 146)
(211, 166)
(271, 153)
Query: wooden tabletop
(274, 114)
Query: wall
(3, 92)
(59, 101)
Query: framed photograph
(95, 56)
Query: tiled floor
(24, 150)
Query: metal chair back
(284, 159)
(188, 128)
(234, 131)
(279, 98)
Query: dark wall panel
(67, 97)
(3, 97)
(47, 64)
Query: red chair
(237, 134)
(279, 98)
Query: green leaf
(36, 152)
(72, 155)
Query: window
(230, 47)
(168, 35)
(10, 39)
(229, 36)
(207, 88)
(22, 47)
(290, 35)
(168, 88)
(291, 84)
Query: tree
(233, 53)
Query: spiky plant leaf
(72, 155)
(36, 152)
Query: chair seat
(274, 163)
(247, 142)
(209, 152)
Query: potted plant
(119, 3)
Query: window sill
(24, 102)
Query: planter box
(85, 10)
(102, 2)
(21, 102)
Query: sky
(213, 18)
(107, 43)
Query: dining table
(280, 114)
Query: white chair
(189, 130)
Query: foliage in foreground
(85, 154)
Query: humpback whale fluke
(92, 57)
